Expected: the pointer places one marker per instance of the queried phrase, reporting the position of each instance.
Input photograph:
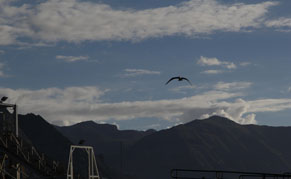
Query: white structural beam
(92, 165)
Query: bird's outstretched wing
(183, 78)
(172, 79)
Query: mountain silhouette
(106, 139)
(45, 137)
(215, 143)
(48, 140)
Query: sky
(108, 61)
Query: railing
(220, 174)
(24, 155)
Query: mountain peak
(214, 120)
(96, 126)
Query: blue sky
(108, 61)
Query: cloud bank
(77, 21)
(75, 104)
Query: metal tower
(19, 159)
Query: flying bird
(179, 78)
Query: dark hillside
(106, 139)
(45, 137)
(215, 143)
(48, 140)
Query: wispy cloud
(205, 61)
(278, 23)
(236, 86)
(244, 64)
(232, 86)
(220, 65)
(77, 21)
(13, 22)
(282, 24)
(212, 72)
(138, 72)
(72, 58)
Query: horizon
(144, 130)
(108, 62)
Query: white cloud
(77, 21)
(72, 58)
(281, 22)
(219, 86)
(137, 72)
(270, 105)
(236, 111)
(232, 85)
(13, 22)
(204, 61)
(75, 104)
(230, 65)
(244, 64)
(212, 72)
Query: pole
(16, 120)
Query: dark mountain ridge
(106, 139)
(48, 140)
(215, 143)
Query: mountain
(48, 140)
(213, 144)
(45, 137)
(107, 140)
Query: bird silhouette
(179, 78)
(4, 98)
(81, 142)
